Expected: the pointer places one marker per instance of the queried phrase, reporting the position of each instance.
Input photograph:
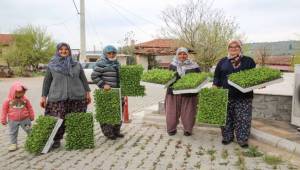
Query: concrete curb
(259, 135)
(276, 141)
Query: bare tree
(200, 28)
(127, 47)
(261, 55)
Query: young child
(16, 111)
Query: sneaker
(225, 142)
(172, 133)
(56, 144)
(187, 134)
(12, 147)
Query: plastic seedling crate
(211, 106)
(248, 89)
(159, 85)
(195, 90)
(51, 137)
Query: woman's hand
(43, 102)
(88, 98)
(106, 87)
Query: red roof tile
(158, 43)
(6, 39)
(276, 60)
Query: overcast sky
(107, 21)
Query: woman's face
(64, 51)
(182, 56)
(111, 55)
(234, 49)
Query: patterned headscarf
(183, 66)
(62, 64)
(235, 60)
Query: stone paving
(145, 146)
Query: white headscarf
(183, 66)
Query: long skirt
(239, 118)
(60, 109)
(110, 130)
(183, 107)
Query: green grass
(252, 152)
(272, 160)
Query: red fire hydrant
(125, 113)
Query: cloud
(107, 21)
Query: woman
(239, 113)
(106, 76)
(182, 106)
(65, 88)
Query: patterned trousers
(110, 130)
(239, 118)
(61, 108)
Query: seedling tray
(195, 90)
(51, 137)
(248, 89)
(159, 85)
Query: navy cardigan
(224, 69)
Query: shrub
(212, 106)
(37, 139)
(159, 76)
(256, 76)
(80, 132)
(130, 77)
(190, 81)
(107, 104)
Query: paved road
(145, 146)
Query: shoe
(120, 135)
(172, 133)
(225, 142)
(112, 137)
(187, 134)
(12, 147)
(244, 144)
(56, 144)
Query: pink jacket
(16, 109)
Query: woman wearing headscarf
(239, 113)
(182, 106)
(106, 76)
(65, 88)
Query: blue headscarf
(62, 64)
(104, 59)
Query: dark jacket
(106, 72)
(224, 69)
(58, 86)
(174, 68)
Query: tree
(200, 28)
(261, 55)
(127, 47)
(31, 47)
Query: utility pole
(82, 57)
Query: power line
(127, 19)
(76, 7)
(138, 16)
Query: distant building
(156, 53)
(282, 63)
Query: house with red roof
(156, 53)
